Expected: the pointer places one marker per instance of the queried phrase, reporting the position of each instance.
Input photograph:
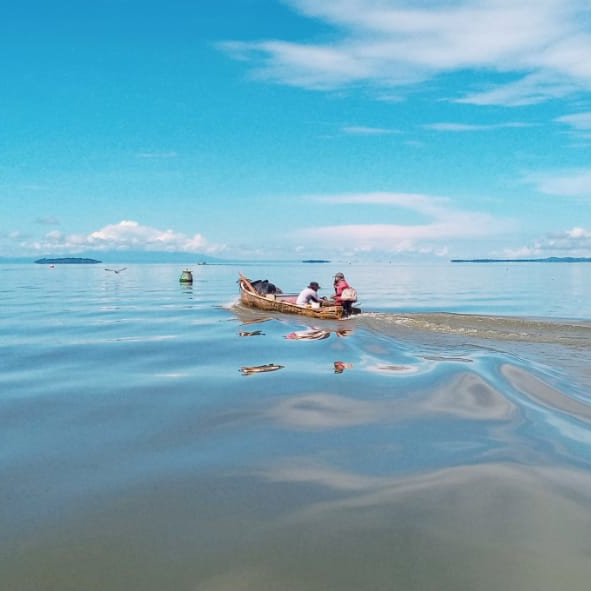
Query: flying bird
(116, 270)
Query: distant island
(546, 260)
(67, 261)
(315, 261)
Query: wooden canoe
(282, 302)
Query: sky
(349, 130)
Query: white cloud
(16, 235)
(575, 242)
(578, 233)
(567, 183)
(127, 235)
(446, 223)
(540, 43)
(124, 236)
(524, 252)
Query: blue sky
(286, 129)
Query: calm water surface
(452, 452)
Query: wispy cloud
(124, 236)
(580, 127)
(459, 127)
(426, 204)
(48, 221)
(157, 155)
(310, 66)
(580, 121)
(529, 90)
(362, 130)
(394, 43)
(445, 223)
(566, 183)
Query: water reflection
(534, 388)
(254, 369)
(312, 528)
(344, 333)
(436, 462)
(255, 320)
(315, 334)
(308, 335)
(325, 411)
(341, 366)
(393, 369)
(464, 396)
(489, 505)
(447, 358)
(469, 396)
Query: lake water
(452, 452)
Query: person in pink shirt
(340, 283)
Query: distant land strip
(546, 260)
(67, 261)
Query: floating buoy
(186, 276)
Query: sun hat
(339, 276)
(314, 285)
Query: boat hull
(280, 303)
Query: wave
(501, 328)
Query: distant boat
(315, 261)
(283, 302)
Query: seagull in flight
(116, 270)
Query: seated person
(309, 294)
(340, 283)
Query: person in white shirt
(309, 294)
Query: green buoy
(186, 276)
